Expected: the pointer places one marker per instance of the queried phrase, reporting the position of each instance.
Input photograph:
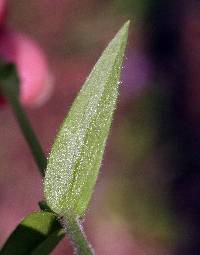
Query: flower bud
(31, 64)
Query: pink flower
(31, 64)
(30, 61)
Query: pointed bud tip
(126, 25)
(123, 32)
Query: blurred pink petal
(35, 79)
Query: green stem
(29, 135)
(74, 230)
(10, 88)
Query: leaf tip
(126, 26)
(123, 32)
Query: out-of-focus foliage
(134, 8)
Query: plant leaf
(76, 154)
(39, 231)
(49, 243)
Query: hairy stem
(74, 230)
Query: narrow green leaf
(39, 231)
(76, 155)
(49, 243)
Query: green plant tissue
(77, 152)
